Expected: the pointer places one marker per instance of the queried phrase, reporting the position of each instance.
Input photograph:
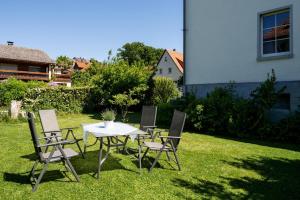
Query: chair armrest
(51, 131)
(170, 137)
(149, 126)
(55, 143)
(70, 128)
(48, 137)
(162, 130)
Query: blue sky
(92, 27)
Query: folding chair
(50, 125)
(147, 124)
(55, 155)
(168, 143)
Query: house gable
(169, 66)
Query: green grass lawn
(213, 168)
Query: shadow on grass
(261, 142)
(204, 189)
(90, 163)
(279, 179)
(23, 178)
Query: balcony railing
(24, 75)
(62, 77)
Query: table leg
(139, 156)
(84, 148)
(100, 157)
(101, 161)
(125, 145)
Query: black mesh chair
(56, 154)
(147, 124)
(168, 143)
(148, 119)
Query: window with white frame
(170, 70)
(275, 34)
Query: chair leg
(145, 153)
(82, 154)
(40, 177)
(72, 169)
(175, 155)
(66, 166)
(168, 156)
(77, 142)
(156, 159)
(31, 173)
(66, 159)
(177, 161)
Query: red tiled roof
(82, 65)
(177, 58)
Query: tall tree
(137, 52)
(64, 62)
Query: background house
(24, 63)
(170, 65)
(242, 41)
(80, 64)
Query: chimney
(10, 43)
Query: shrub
(70, 100)
(223, 112)
(164, 90)
(81, 78)
(250, 115)
(123, 102)
(13, 89)
(288, 129)
(85, 77)
(214, 113)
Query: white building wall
(221, 42)
(165, 63)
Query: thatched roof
(14, 53)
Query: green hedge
(13, 89)
(70, 100)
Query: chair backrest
(177, 125)
(148, 116)
(49, 122)
(34, 137)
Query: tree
(64, 62)
(120, 78)
(164, 90)
(137, 52)
(85, 77)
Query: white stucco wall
(165, 65)
(221, 42)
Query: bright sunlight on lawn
(211, 168)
